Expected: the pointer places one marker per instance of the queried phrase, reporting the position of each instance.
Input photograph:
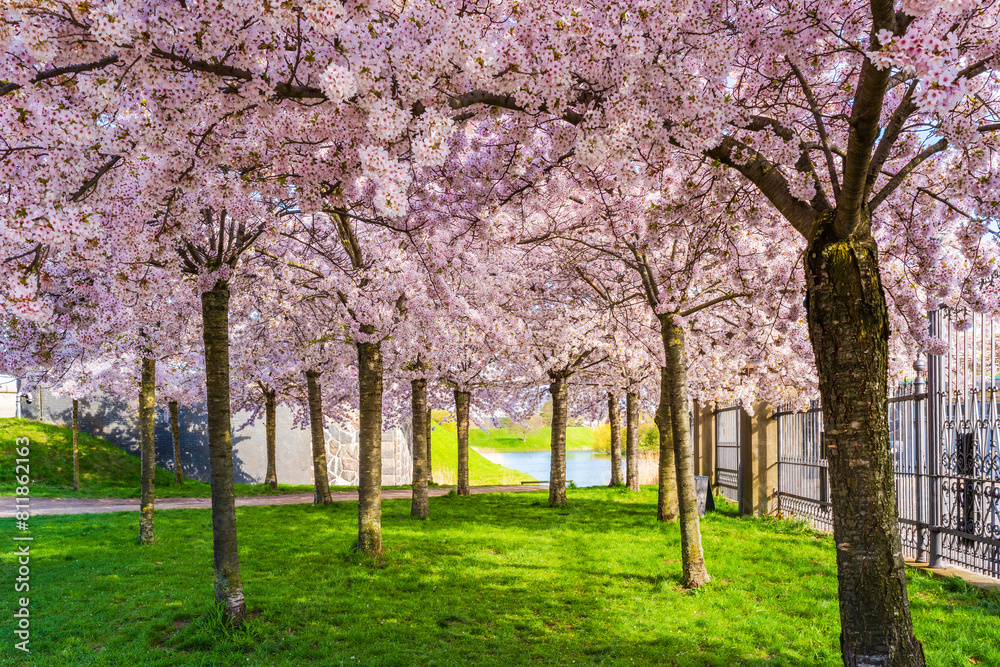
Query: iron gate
(727, 451)
(964, 430)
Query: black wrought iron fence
(803, 481)
(945, 446)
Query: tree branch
(865, 114)
(772, 184)
(709, 304)
(820, 128)
(59, 71)
(901, 175)
(76, 196)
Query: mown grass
(482, 472)
(536, 440)
(489, 580)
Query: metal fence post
(778, 493)
(934, 394)
(920, 436)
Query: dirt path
(48, 506)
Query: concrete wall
(116, 422)
(8, 397)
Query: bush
(602, 438)
(649, 437)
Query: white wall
(8, 397)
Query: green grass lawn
(537, 440)
(489, 580)
(444, 461)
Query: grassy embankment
(444, 460)
(105, 470)
(109, 472)
(489, 580)
(536, 440)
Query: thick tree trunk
(76, 445)
(370, 450)
(321, 477)
(270, 429)
(631, 442)
(175, 430)
(849, 328)
(462, 400)
(614, 419)
(228, 585)
(692, 557)
(420, 506)
(147, 444)
(557, 474)
(430, 469)
(666, 501)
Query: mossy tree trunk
(666, 501)
(420, 505)
(370, 450)
(147, 444)
(175, 431)
(270, 430)
(694, 574)
(430, 468)
(462, 400)
(76, 445)
(614, 419)
(631, 441)
(321, 478)
(560, 407)
(849, 328)
(228, 585)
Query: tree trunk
(462, 400)
(228, 586)
(631, 442)
(420, 506)
(321, 477)
(76, 445)
(147, 442)
(430, 469)
(175, 430)
(370, 450)
(270, 429)
(666, 501)
(849, 328)
(692, 557)
(614, 418)
(557, 474)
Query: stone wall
(342, 456)
(115, 421)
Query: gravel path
(48, 506)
